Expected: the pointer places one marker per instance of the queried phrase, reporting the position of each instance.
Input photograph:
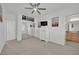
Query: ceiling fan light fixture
(35, 9)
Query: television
(43, 23)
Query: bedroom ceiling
(50, 7)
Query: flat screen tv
(43, 23)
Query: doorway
(28, 29)
(72, 31)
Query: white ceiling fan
(36, 8)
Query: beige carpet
(72, 44)
(33, 46)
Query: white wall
(2, 36)
(2, 29)
(10, 19)
(11, 26)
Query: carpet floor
(72, 44)
(34, 46)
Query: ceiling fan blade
(32, 11)
(38, 4)
(35, 5)
(28, 8)
(38, 12)
(31, 4)
(42, 8)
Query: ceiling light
(74, 19)
(35, 9)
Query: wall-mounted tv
(43, 23)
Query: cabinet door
(68, 36)
(75, 37)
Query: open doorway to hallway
(72, 31)
(28, 27)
